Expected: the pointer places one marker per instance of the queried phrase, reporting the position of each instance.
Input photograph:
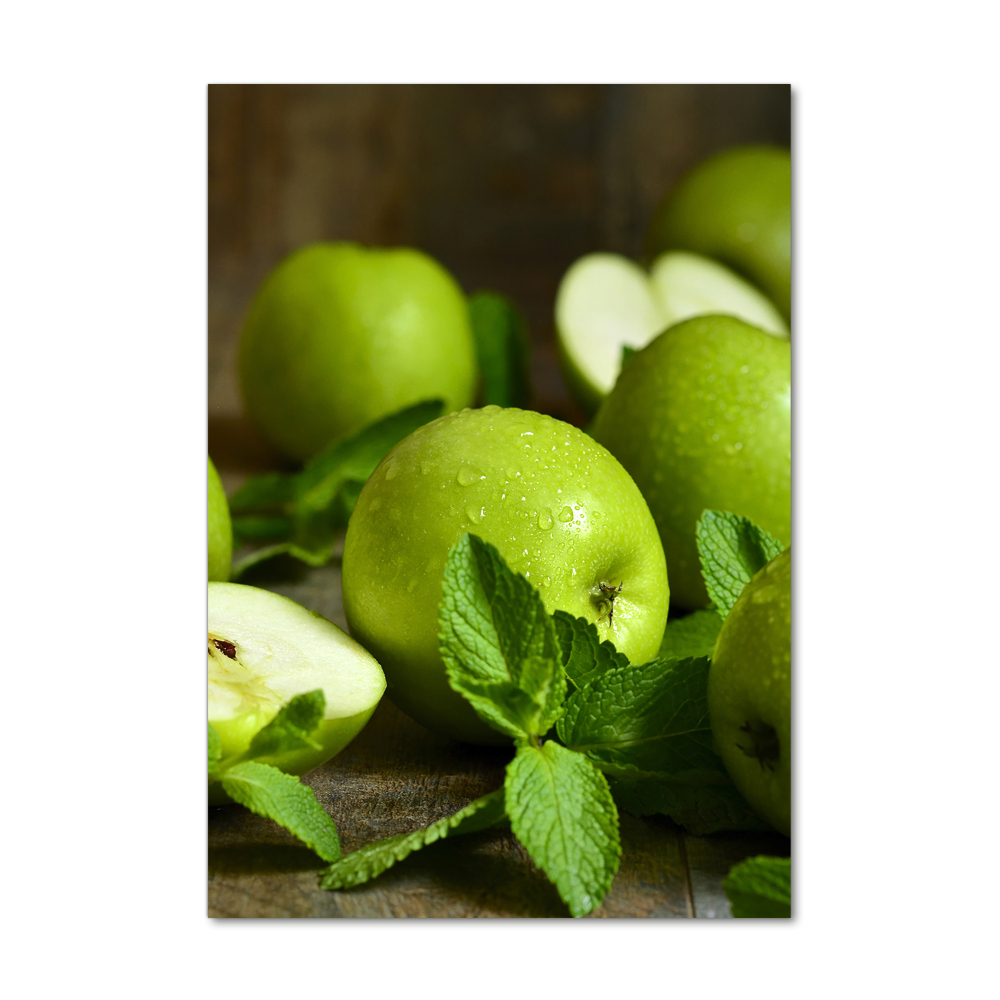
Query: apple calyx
(608, 592)
(765, 746)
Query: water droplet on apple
(467, 475)
(475, 513)
(566, 514)
(412, 585)
(545, 521)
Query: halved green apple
(606, 301)
(263, 649)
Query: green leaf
(319, 483)
(498, 643)
(760, 887)
(270, 491)
(584, 655)
(214, 750)
(290, 728)
(319, 501)
(732, 549)
(700, 808)
(651, 718)
(261, 528)
(627, 353)
(692, 635)
(502, 348)
(373, 859)
(269, 792)
(561, 810)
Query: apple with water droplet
(750, 692)
(606, 302)
(701, 419)
(558, 507)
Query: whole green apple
(606, 301)
(220, 528)
(701, 419)
(556, 505)
(340, 335)
(750, 692)
(263, 649)
(735, 206)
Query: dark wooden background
(506, 186)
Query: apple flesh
(340, 335)
(220, 528)
(735, 207)
(701, 419)
(558, 507)
(263, 649)
(606, 301)
(749, 692)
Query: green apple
(701, 419)
(340, 335)
(750, 692)
(555, 504)
(735, 206)
(220, 528)
(263, 649)
(605, 302)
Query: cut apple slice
(687, 285)
(263, 649)
(606, 301)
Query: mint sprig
(498, 643)
(269, 792)
(561, 810)
(731, 549)
(302, 513)
(365, 863)
(584, 655)
(290, 728)
(651, 719)
(502, 349)
(760, 887)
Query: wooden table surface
(398, 776)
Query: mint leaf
(316, 504)
(700, 808)
(760, 887)
(584, 655)
(261, 528)
(373, 859)
(692, 635)
(627, 353)
(270, 491)
(561, 810)
(498, 643)
(732, 549)
(502, 349)
(214, 750)
(317, 486)
(290, 728)
(269, 792)
(651, 718)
